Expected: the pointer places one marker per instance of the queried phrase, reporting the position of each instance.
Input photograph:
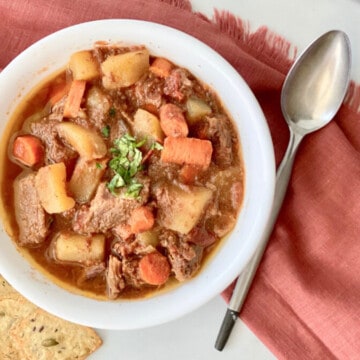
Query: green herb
(125, 163)
(112, 112)
(49, 342)
(98, 166)
(156, 146)
(106, 131)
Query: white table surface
(192, 337)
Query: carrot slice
(28, 149)
(141, 219)
(58, 91)
(73, 101)
(188, 173)
(172, 121)
(161, 67)
(191, 151)
(154, 268)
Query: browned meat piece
(149, 91)
(31, 218)
(89, 273)
(106, 211)
(118, 129)
(185, 258)
(55, 149)
(200, 236)
(131, 274)
(114, 277)
(57, 111)
(217, 130)
(178, 85)
(130, 253)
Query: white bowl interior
(51, 53)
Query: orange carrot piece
(154, 268)
(58, 92)
(73, 101)
(161, 67)
(141, 219)
(188, 173)
(172, 121)
(28, 149)
(191, 151)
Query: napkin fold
(304, 302)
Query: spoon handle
(244, 280)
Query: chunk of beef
(114, 277)
(106, 210)
(217, 130)
(148, 91)
(185, 258)
(31, 218)
(118, 129)
(55, 149)
(201, 236)
(123, 267)
(125, 248)
(57, 110)
(89, 273)
(130, 267)
(178, 84)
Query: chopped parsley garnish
(105, 131)
(156, 146)
(125, 163)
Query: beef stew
(126, 173)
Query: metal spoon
(311, 95)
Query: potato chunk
(86, 142)
(75, 248)
(147, 125)
(50, 184)
(196, 109)
(148, 238)
(124, 69)
(86, 178)
(180, 209)
(84, 66)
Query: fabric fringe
(278, 52)
(275, 49)
(352, 98)
(181, 4)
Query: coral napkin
(305, 301)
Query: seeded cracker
(5, 288)
(29, 333)
(42, 336)
(12, 309)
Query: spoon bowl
(317, 82)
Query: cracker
(13, 308)
(29, 333)
(41, 336)
(5, 287)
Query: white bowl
(51, 53)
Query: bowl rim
(161, 308)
